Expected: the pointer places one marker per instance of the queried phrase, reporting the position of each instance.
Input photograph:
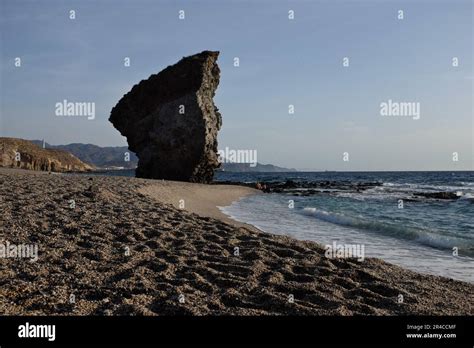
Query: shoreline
(125, 249)
(200, 199)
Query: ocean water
(420, 235)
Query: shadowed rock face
(171, 122)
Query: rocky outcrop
(306, 188)
(438, 195)
(170, 120)
(19, 153)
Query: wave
(417, 235)
(426, 187)
(468, 196)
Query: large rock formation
(19, 153)
(171, 122)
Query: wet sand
(126, 248)
(201, 199)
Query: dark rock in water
(437, 195)
(306, 188)
(289, 184)
(171, 122)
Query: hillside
(19, 153)
(102, 157)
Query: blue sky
(282, 62)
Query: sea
(426, 235)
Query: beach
(125, 246)
(201, 199)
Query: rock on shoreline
(309, 187)
(171, 122)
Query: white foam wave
(424, 237)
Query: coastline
(174, 252)
(200, 199)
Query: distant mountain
(111, 157)
(245, 167)
(102, 157)
(20, 153)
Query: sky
(337, 122)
